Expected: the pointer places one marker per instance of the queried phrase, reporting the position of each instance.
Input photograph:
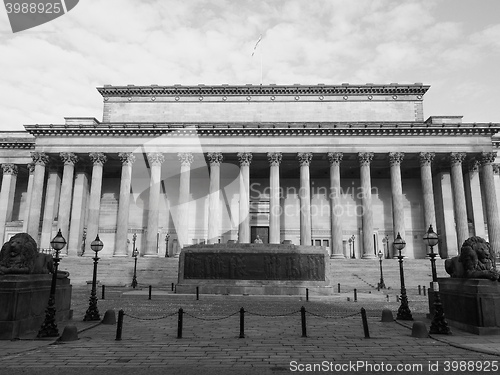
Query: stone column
(335, 207)
(7, 195)
(473, 198)
(127, 159)
(245, 159)
(186, 159)
(305, 198)
(426, 159)
(155, 160)
(490, 199)
(457, 184)
(215, 159)
(77, 235)
(52, 195)
(398, 213)
(365, 158)
(98, 160)
(274, 197)
(40, 160)
(69, 159)
(31, 172)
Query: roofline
(275, 90)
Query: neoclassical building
(345, 166)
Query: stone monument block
(472, 305)
(24, 300)
(254, 269)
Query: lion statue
(476, 260)
(19, 255)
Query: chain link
(211, 319)
(273, 315)
(158, 318)
(333, 316)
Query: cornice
(267, 129)
(273, 90)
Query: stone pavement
(273, 342)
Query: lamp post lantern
(404, 312)
(381, 284)
(439, 324)
(135, 253)
(49, 326)
(92, 312)
(351, 244)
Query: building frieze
(265, 129)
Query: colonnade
(72, 219)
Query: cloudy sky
(51, 71)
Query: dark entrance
(263, 233)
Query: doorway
(262, 232)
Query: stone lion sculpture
(476, 260)
(19, 255)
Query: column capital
(426, 158)
(40, 158)
(395, 158)
(488, 157)
(304, 158)
(365, 158)
(245, 158)
(68, 158)
(127, 158)
(31, 168)
(474, 165)
(98, 158)
(335, 157)
(215, 158)
(274, 158)
(457, 157)
(9, 168)
(186, 158)
(155, 158)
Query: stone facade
(341, 166)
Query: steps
(161, 272)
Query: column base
(120, 255)
(368, 256)
(150, 255)
(337, 256)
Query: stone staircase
(162, 272)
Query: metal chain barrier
(273, 315)
(333, 316)
(211, 319)
(158, 318)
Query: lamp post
(351, 245)
(135, 253)
(381, 284)
(49, 326)
(92, 312)
(404, 312)
(167, 236)
(439, 324)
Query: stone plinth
(24, 299)
(472, 305)
(262, 269)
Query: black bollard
(338, 288)
(172, 287)
(150, 288)
(355, 295)
(419, 290)
(307, 294)
(242, 323)
(365, 323)
(423, 287)
(179, 324)
(119, 326)
(197, 293)
(103, 289)
(303, 318)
